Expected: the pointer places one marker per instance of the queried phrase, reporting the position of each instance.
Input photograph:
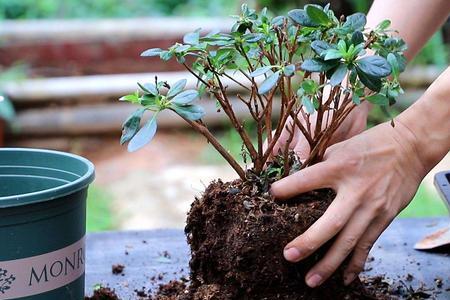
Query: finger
(311, 178)
(341, 248)
(362, 249)
(326, 227)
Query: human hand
(375, 175)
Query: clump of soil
(173, 290)
(103, 293)
(237, 235)
(117, 269)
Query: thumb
(315, 177)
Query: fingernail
(291, 254)
(314, 280)
(348, 278)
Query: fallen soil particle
(118, 269)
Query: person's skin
(377, 172)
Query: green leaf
(149, 88)
(319, 46)
(317, 15)
(176, 88)
(357, 38)
(317, 65)
(186, 97)
(355, 22)
(375, 66)
(143, 136)
(371, 82)
(260, 71)
(394, 64)
(331, 54)
(133, 98)
(310, 86)
(152, 52)
(269, 83)
(192, 38)
(253, 37)
(356, 99)
(278, 21)
(383, 25)
(148, 99)
(131, 126)
(378, 99)
(300, 17)
(190, 112)
(166, 55)
(338, 75)
(289, 70)
(306, 102)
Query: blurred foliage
(435, 52)
(426, 203)
(99, 213)
(68, 9)
(14, 73)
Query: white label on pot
(42, 273)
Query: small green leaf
(320, 46)
(133, 98)
(317, 15)
(260, 71)
(143, 136)
(378, 99)
(186, 97)
(371, 82)
(190, 112)
(176, 88)
(357, 38)
(152, 52)
(338, 75)
(148, 99)
(331, 54)
(356, 99)
(310, 86)
(383, 25)
(166, 55)
(278, 21)
(355, 22)
(375, 66)
(131, 126)
(317, 65)
(289, 70)
(192, 38)
(300, 17)
(306, 102)
(149, 88)
(394, 64)
(269, 83)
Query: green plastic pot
(42, 224)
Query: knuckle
(363, 249)
(380, 207)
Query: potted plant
(316, 68)
(42, 224)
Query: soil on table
(237, 236)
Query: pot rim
(52, 193)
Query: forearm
(415, 20)
(428, 121)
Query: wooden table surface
(164, 253)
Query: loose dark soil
(103, 293)
(237, 235)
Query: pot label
(42, 273)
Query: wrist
(426, 126)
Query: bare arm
(415, 20)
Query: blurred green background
(100, 213)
